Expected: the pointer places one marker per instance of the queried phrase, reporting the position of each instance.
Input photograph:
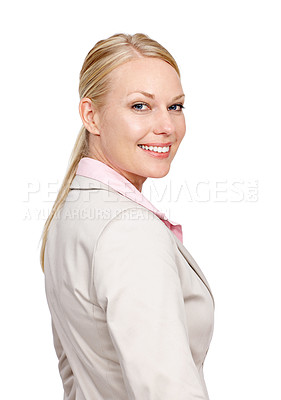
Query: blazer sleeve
(138, 286)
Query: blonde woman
(132, 313)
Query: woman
(132, 313)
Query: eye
(176, 107)
(140, 106)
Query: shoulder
(136, 229)
(138, 221)
(94, 215)
(89, 225)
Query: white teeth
(155, 148)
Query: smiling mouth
(155, 149)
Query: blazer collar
(99, 171)
(85, 183)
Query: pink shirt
(96, 169)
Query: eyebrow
(152, 96)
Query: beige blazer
(132, 313)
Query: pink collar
(96, 169)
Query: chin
(159, 173)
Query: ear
(89, 115)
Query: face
(141, 124)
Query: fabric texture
(132, 312)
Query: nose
(163, 123)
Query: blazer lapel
(193, 265)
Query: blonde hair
(104, 57)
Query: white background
(229, 56)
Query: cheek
(121, 131)
(181, 128)
(131, 128)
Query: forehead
(147, 74)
